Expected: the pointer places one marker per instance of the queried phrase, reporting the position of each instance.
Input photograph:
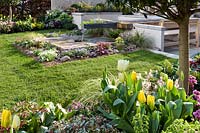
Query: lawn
(22, 78)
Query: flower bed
(47, 52)
(130, 102)
(157, 108)
(31, 117)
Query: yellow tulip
(16, 122)
(151, 101)
(6, 118)
(170, 84)
(141, 97)
(134, 76)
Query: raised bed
(79, 18)
(104, 25)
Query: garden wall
(152, 32)
(63, 4)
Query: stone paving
(174, 50)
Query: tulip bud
(134, 76)
(6, 118)
(151, 101)
(141, 97)
(121, 77)
(170, 84)
(16, 122)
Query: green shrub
(21, 26)
(32, 43)
(58, 19)
(119, 42)
(138, 39)
(181, 126)
(77, 53)
(38, 26)
(48, 55)
(25, 43)
(113, 33)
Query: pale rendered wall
(63, 4)
(154, 33)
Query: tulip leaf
(168, 123)
(132, 101)
(118, 101)
(123, 124)
(109, 87)
(182, 93)
(172, 105)
(104, 83)
(177, 111)
(107, 115)
(187, 109)
(175, 92)
(139, 85)
(154, 121)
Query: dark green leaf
(122, 124)
(132, 101)
(109, 87)
(118, 101)
(177, 111)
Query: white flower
(122, 65)
(16, 122)
(61, 108)
(121, 77)
(49, 106)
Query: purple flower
(197, 114)
(195, 92)
(192, 81)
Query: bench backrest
(172, 25)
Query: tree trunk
(184, 53)
(10, 13)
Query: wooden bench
(173, 29)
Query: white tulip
(121, 77)
(16, 122)
(122, 65)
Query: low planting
(30, 117)
(47, 52)
(52, 19)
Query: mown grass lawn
(22, 78)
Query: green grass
(22, 78)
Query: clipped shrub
(113, 33)
(58, 19)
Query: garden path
(174, 50)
